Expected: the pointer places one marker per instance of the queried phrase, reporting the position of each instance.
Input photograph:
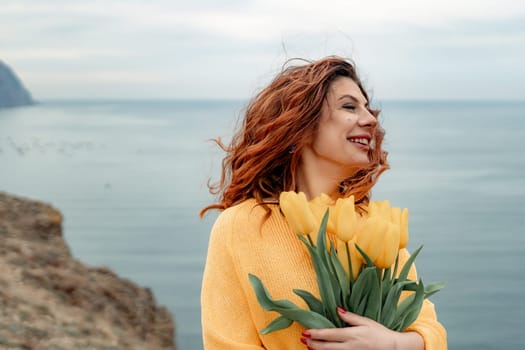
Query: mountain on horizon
(12, 91)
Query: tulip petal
(297, 212)
(403, 225)
(370, 238)
(390, 247)
(346, 220)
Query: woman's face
(345, 128)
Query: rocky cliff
(12, 91)
(49, 300)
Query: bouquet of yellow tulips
(358, 270)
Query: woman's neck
(313, 188)
(314, 178)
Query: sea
(130, 177)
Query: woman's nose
(367, 119)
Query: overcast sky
(404, 49)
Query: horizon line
(246, 99)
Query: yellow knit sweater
(242, 242)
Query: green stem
(395, 266)
(380, 298)
(310, 240)
(349, 265)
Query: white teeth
(362, 141)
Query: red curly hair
(284, 116)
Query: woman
(311, 130)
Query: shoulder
(245, 216)
(245, 210)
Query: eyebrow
(355, 99)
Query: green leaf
(305, 241)
(386, 274)
(410, 307)
(335, 275)
(433, 288)
(406, 268)
(361, 287)
(405, 305)
(411, 287)
(360, 309)
(328, 285)
(350, 267)
(390, 305)
(324, 279)
(313, 303)
(386, 284)
(264, 298)
(342, 279)
(369, 261)
(308, 319)
(410, 317)
(321, 239)
(279, 323)
(396, 265)
(373, 307)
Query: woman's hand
(364, 334)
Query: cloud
(229, 48)
(63, 53)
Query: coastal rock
(12, 91)
(49, 300)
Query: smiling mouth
(360, 140)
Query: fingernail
(303, 340)
(306, 334)
(341, 310)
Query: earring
(292, 148)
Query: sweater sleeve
(427, 325)
(226, 321)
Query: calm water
(130, 177)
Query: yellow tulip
(370, 237)
(381, 208)
(396, 215)
(380, 241)
(354, 257)
(373, 209)
(401, 218)
(318, 206)
(390, 247)
(345, 218)
(297, 212)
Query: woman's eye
(374, 112)
(349, 107)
